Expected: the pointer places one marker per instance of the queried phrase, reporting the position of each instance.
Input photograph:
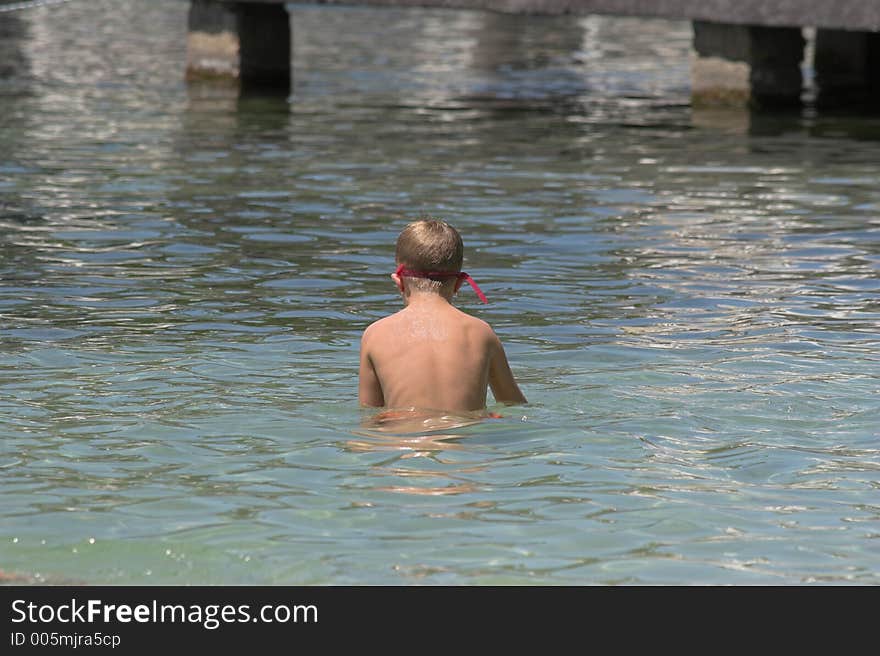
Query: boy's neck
(426, 299)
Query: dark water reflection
(689, 300)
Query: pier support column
(746, 65)
(847, 66)
(248, 42)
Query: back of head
(430, 245)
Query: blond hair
(430, 245)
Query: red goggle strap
(403, 271)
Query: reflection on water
(688, 300)
(420, 421)
(418, 433)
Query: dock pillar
(239, 41)
(847, 66)
(746, 65)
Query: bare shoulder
(480, 327)
(377, 329)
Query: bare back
(432, 355)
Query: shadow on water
(14, 63)
(855, 123)
(226, 110)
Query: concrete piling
(847, 65)
(239, 41)
(747, 65)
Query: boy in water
(430, 355)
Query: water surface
(688, 299)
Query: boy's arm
(369, 389)
(501, 380)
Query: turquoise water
(688, 299)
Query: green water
(688, 299)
